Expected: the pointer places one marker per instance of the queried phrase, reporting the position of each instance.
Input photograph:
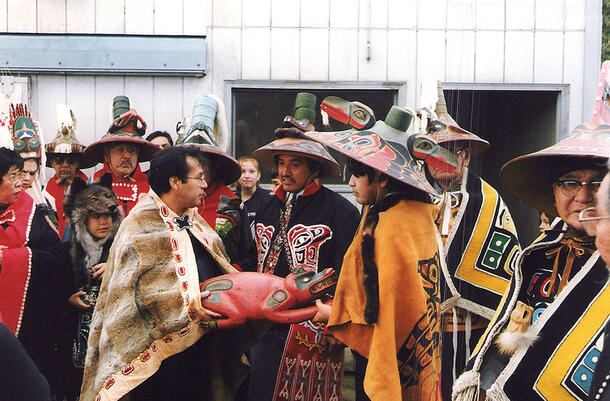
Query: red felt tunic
(127, 191)
(57, 192)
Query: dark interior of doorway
(515, 123)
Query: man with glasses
(64, 154)
(148, 335)
(32, 275)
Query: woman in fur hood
(95, 216)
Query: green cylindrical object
(399, 118)
(120, 106)
(305, 107)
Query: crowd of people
(101, 294)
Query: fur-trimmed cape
(149, 306)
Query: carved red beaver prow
(256, 296)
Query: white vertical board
(431, 14)
(140, 92)
(106, 88)
(574, 74)
(286, 13)
(548, 57)
(285, 53)
(461, 14)
(315, 13)
(197, 16)
(21, 15)
(401, 55)
(3, 16)
(574, 14)
(377, 15)
(226, 56)
(80, 16)
(374, 69)
(460, 56)
(168, 17)
(51, 16)
(489, 50)
(431, 55)
(51, 90)
(139, 18)
(402, 14)
(191, 88)
(520, 14)
(226, 13)
(80, 96)
(314, 54)
(519, 57)
(167, 105)
(343, 55)
(256, 50)
(257, 12)
(549, 14)
(490, 14)
(110, 16)
(344, 14)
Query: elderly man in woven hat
(121, 150)
(480, 243)
(387, 304)
(64, 156)
(304, 226)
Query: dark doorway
(515, 123)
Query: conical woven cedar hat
(530, 177)
(290, 139)
(444, 129)
(65, 141)
(127, 127)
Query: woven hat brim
(298, 147)
(94, 153)
(371, 149)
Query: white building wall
(467, 41)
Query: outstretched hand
(76, 300)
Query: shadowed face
(363, 189)
(30, 170)
(99, 225)
(161, 141)
(123, 159)
(192, 192)
(570, 203)
(10, 186)
(294, 172)
(65, 167)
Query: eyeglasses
(200, 179)
(59, 159)
(16, 176)
(589, 219)
(571, 187)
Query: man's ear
(173, 182)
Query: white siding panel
(343, 57)
(256, 53)
(344, 13)
(431, 55)
(519, 57)
(460, 56)
(80, 96)
(191, 88)
(285, 53)
(431, 14)
(285, 13)
(167, 104)
(197, 16)
(106, 88)
(22, 16)
(314, 13)
(549, 14)
(490, 14)
(139, 17)
(51, 91)
(378, 13)
(51, 16)
(574, 74)
(80, 16)
(140, 92)
(225, 56)
(489, 65)
(257, 12)
(314, 54)
(402, 13)
(575, 14)
(374, 69)
(168, 17)
(110, 16)
(3, 16)
(548, 57)
(227, 13)
(520, 14)
(461, 14)
(401, 55)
